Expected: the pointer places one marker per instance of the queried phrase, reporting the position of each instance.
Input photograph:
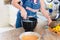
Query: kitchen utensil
(29, 24)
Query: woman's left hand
(49, 21)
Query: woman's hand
(44, 12)
(24, 14)
(23, 11)
(49, 21)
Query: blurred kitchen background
(8, 14)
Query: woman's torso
(31, 4)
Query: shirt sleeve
(23, 1)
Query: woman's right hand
(24, 14)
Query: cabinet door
(3, 14)
(12, 13)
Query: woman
(29, 8)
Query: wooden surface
(14, 35)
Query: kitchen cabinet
(4, 14)
(12, 15)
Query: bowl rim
(30, 33)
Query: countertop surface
(14, 35)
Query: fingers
(49, 22)
(24, 17)
(24, 14)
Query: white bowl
(30, 33)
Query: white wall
(12, 13)
(7, 14)
(4, 15)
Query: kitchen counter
(14, 35)
(11, 34)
